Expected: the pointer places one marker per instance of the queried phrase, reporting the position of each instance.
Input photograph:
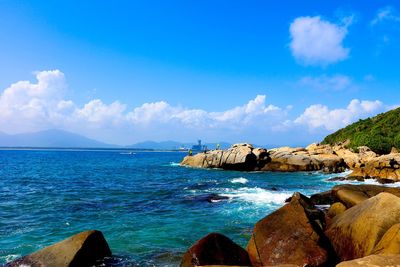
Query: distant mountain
(171, 145)
(50, 138)
(380, 133)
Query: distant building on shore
(199, 146)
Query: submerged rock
(291, 235)
(215, 249)
(356, 231)
(83, 249)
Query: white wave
(240, 180)
(174, 164)
(11, 257)
(257, 196)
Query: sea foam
(257, 196)
(240, 180)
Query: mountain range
(56, 138)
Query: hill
(50, 138)
(379, 133)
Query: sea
(150, 209)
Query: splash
(240, 180)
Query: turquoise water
(149, 208)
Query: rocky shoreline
(361, 227)
(364, 164)
(349, 225)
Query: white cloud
(315, 41)
(320, 116)
(387, 13)
(30, 106)
(327, 83)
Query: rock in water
(82, 249)
(241, 157)
(291, 235)
(215, 249)
(356, 231)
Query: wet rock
(373, 261)
(356, 232)
(291, 235)
(83, 249)
(215, 249)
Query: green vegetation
(379, 133)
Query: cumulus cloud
(327, 83)
(320, 116)
(31, 106)
(315, 41)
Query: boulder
(385, 167)
(390, 242)
(337, 208)
(291, 235)
(373, 261)
(83, 249)
(242, 157)
(356, 232)
(351, 195)
(215, 249)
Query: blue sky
(257, 71)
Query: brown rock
(336, 209)
(390, 242)
(383, 168)
(373, 261)
(215, 249)
(351, 195)
(82, 249)
(290, 235)
(242, 157)
(356, 231)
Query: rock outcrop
(243, 157)
(215, 249)
(385, 168)
(83, 249)
(291, 235)
(315, 157)
(356, 232)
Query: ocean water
(149, 208)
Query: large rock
(215, 249)
(390, 242)
(373, 261)
(242, 157)
(356, 232)
(291, 235)
(83, 249)
(351, 195)
(385, 168)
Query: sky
(263, 72)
